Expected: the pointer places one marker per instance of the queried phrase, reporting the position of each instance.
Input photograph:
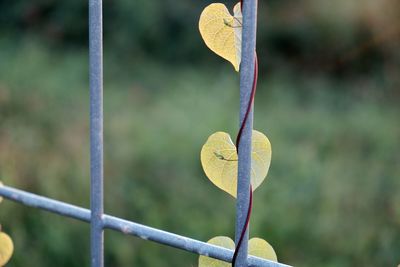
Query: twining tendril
(238, 138)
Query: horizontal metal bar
(44, 203)
(128, 227)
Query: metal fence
(95, 216)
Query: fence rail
(128, 227)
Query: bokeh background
(328, 99)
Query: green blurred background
(328, 99)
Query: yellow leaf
(261, 248)
(221, 241)
(220, 161)
(257, 247)
(6, 248)
(222, 32)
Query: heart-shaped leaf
(220, 161)
(6, 248)
(222, 241)
(222, 32)
(260, 248)
(257, 247)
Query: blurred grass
(332, 197)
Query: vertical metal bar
(249, 10)
(96, 131)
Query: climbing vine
(222, 33)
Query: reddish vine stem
(238, 138)
(250, 103)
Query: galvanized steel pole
(249, 10)
(96, 131)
